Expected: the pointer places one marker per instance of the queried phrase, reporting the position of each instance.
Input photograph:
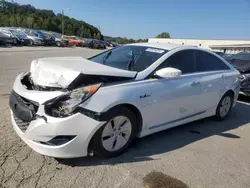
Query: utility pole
(62, 22)
(13, 10)
(13, 13)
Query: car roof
(165, 46)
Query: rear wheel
(116, 135)
(224, 107)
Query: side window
(208, 62)
(183, 60)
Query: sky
(203, 19)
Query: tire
(15, 41)
(120, 141)
(58, 44)
(225, 103)
(31, 42)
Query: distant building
(227, 46)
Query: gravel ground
(200, 154)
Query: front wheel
(31, 42)
(114, 137)
(224, 107)
(15, 41)
(58, 44)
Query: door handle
(195, 83)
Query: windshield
(15, 32)
(30, 33)
(57, 35)
(130, 57)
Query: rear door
(213, 74)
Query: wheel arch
(134, 109)
(231, 92)
(131, 107)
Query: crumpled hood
(61, 71)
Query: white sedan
(69, 107)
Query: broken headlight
(67, 104)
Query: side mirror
(168, 72)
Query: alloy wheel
(225, 106)
(116, 133)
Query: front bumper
(43, 128)
(39, 131)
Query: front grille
(23, 110)
(28, 103)
(21, 124)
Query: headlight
(67, 104)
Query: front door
(176, 99)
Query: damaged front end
(72, 79)
(67, 104)
(78, 91)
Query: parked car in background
(73, 41)
(60, 42)
(241, 62)
(20, 37)
(17, 38)
(33, 36)
(5, 38)
(69, 107)
(108, 44)
(87, 42)
(48, 40)
(115, 44)
(97, 44)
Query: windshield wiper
(106, 57)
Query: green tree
(163, 35)
(30, 21)
(12, 21)
(98, 36)
(13, 14)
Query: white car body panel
(163, 103)
(33, 95)
(39, 130)
(60, 72)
